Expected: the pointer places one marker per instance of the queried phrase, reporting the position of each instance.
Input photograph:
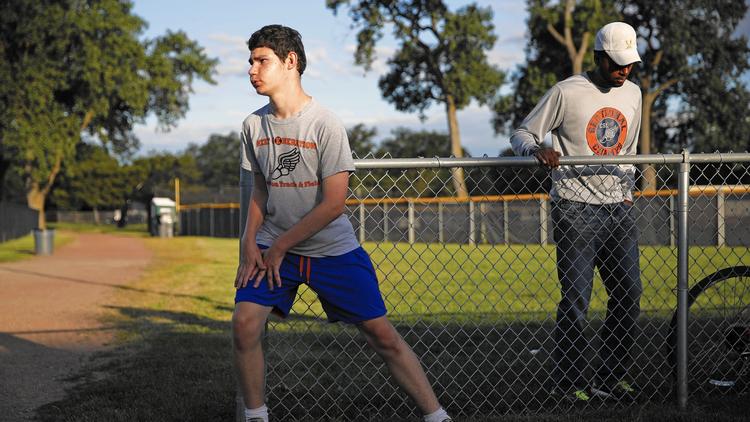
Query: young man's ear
(291, 60)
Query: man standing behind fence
(593, 113)
(296, 230)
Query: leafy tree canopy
(691, 76)
(73, 67)
(441, 53)
(361, 140)
(441, 57)
(217, 160)
(548, 59)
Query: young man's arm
(335, 190)
(627, 181)
(529, 137)
(251, 260)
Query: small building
(163, 217)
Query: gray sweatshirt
(586, 120)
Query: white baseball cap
(618, 40)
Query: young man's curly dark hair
(281, 39)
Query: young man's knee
(382, 336)
(247, 327)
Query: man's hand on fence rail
(548, 157)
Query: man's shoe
(573, 396)
(622, 389)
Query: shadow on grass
(219, 305)
(181, 370)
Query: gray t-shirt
(294, 155)
(586, 120)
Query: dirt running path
(50, 309)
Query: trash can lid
(163, 202)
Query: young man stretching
(296, 230)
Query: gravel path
(50, 316)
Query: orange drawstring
(302, 272)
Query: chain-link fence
(16, 220)
(472, 285)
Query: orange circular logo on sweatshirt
(606, 131)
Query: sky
(222, 27)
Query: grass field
(479, 318)
(23, 247)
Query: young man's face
(267, 72)
(612, 73)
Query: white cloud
(231, 50)
(474, 123)
(379, 66)
(178, 138)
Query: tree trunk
(35, 198)
(648, 182)
(575, 54)
(459, 182)
(4, 166)
(36, 195)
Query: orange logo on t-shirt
(606, 131)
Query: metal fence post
(720, 228)
(198, 232)
(441, 234)
(483, 222)
(211, 221)
(361, 222)
(472, 224)
(683, 185)
(543, 221)
(411, 222)
(385, 222)
(506, 226)
(672, 231)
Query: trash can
(166, 226)
(44, 241)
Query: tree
(154, 174)
(361, 140)
(690, 78)
(546, 62)
(507, 180)
(690, 59)
(589, 17)
(217, 160)
(93, 180)
(441, 57)
(406, 143)
(74, 68)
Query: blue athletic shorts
(346, 285)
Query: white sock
(437, 416)
(260, 412)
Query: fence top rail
(202, 205)
(694, 191)
(450, 162)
